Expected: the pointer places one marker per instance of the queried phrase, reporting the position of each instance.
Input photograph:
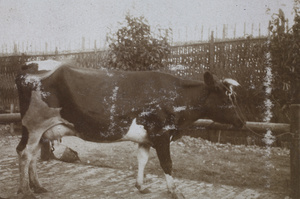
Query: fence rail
(204, 123)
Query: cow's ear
(209, 79)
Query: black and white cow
(148, 108)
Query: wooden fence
(225, 58)
(232, 55)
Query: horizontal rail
(209, 124)
(258, 127)
(10, 117)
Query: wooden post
(234, 31)
(224, 30)
(83, 44)
(186, 34)
(219, 135)
(46, 48)
(211, 51)
(202, 33)
(15, 49)
(12, 127)
(295, 151)
(95, 46)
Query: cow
(145, 107)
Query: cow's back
(92, 89)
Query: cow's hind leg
(26, 152)
(25, 157)
(33, 177)
(142, 156)
(162, 146)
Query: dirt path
(67, 180)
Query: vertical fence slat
(12, 127)
(211, 50)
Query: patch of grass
(242, 166)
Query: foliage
(285, 60)
(134, 46)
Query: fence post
(219, 136)
(83, 44)
(211, 51)
(295, 151)
(12, 126)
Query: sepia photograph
(140, 99)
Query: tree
(134, 46)
(285, 59)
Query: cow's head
(221, 102)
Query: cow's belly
(136, 133)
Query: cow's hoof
(178, 196)
(39, 190)
(29, 196)
(145, 191)
(142, 189)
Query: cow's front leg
(162, 146)
(33, 177)
(142, 156)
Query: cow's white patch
(142, 156)
(179, 108)
(46, 65)
(146, 113)
(176, 67)
(170, 182)
(36, 82)
(153, 102)
(113, 106)
(169, 127)
(114, 95)
(136, 133)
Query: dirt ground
(201, 170)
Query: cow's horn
(231, 82)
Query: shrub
(134, 46)
(285, 58)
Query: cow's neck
(194, 103)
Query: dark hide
(100, 106)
